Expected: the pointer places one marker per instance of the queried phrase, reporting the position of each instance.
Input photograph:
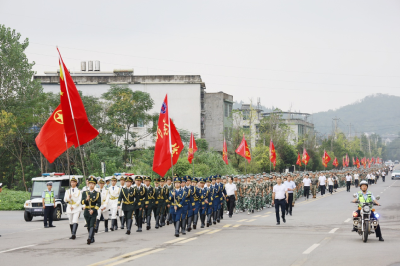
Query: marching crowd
(185, 201)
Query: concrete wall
(183, 100)
(214, 120)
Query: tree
(127, 109)
(20, 95)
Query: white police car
(34, 206)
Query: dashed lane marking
(237, 225)
(257, 216)
(120, 257)
(135, 257)
(242, 220)
(333, 230)
(265, 216)
(212, 232)
(310, 249)
(187, 240)
(202, 232)
(4, 251)
(227, 225)
(175, 240)
(348, 220)
(269, 212)
(252, 220)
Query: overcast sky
(309, 56)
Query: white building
(248, 117)
(185, 94)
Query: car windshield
(40, 186)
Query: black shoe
(284, 220)
(278, 223)
(85, 225)
(74, 229)
(381, 239)
(230, 216)
(106, 226)
(70, 226)
(46, 226)
(52, 226)
(97, 225)
(290, 213)
(354, 230)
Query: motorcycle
(364, 223)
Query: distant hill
(378, 113)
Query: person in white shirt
(348, 181)
(321, 183)
(291, 186)
(306, 186)
(383, 176)
(356, 180)
(231, 195)
(279, 198)
(330, 184)
(113, 192)
(105, 196)
(73, 199)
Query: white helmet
(363, 183)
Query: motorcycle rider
(367, 196)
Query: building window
(246, 127)
(139, 123)
(246, 114)
(228, 109)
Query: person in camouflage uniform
(248, 193)
(258, 195)
(314, 184)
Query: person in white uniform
(73, 199)
(105, 196)
(113, 202)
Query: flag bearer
(105, 197)
(92, 201)
(127, 198)
(73, 199)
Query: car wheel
(57, 214)
(28, 216)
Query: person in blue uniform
(202, 194)
(196, 202)
(190, 190)
(216, 201)
(221, 196)
(177, 198)
(185, 205)
(210, 191)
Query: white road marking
(310, 249)
(348, 220)
(188, 240)
(4, 251)
(257, 216)
(333, 230)
(265, 216)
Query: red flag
(192, 148)
(243, 150)
(168, 142)
(74, 114)
(298, 159)
(335, 162)
(347, 160)
(343, 162)
(305, 158)
(358, 163)
(225, 152)
(272, 153)
(325, 159)
(51, 138)
(354, 162)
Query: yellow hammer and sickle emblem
(58, 117)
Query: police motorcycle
(365, 224)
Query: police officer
(196, 201)
(159, 201)
(92, 201)
(73, 199)
(140, 193)
(210, 197)
(49, 203)
(127, 199)
(366, 196)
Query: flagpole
(72, 113)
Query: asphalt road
(318, 233)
